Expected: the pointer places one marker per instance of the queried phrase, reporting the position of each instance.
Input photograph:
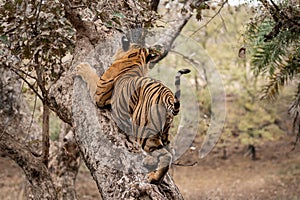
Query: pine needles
(276, 58)
(275, 50)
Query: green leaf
(108, 24)
(4, 39)
(119, 15)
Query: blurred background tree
(274, 45)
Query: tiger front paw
(85, 71)
(89, 75)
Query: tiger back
(135, 58)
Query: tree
(36, 39)
(274, 38)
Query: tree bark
(115, 163)
(36, 172)
(17, 133)
(45, 137)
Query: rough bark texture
(20, 139)
(115, 163)
(46, 132)
(41, 186)
(15, 117)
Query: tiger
(141, 106)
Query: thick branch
(65, 164)
(273, 11)
(217, 13)
(27, 82)
(115, 163)
(17, 130)
(35, 171)
(40, 76)
(83, 28)
(176, 25)
(281, 18)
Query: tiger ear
(154, 53)
(151, 57)
(125, 43)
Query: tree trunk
(21, 140)
(45, 137)
(17, 134)
(115, 163)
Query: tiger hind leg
(89, 75)
(164, 158)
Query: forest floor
(275, 174)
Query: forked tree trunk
(115, 164)
(16, 137)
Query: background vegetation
(253, 125)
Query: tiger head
(129, 50)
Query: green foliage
(35, 35)
(276, 57)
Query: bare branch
(23, 72)
(189, 59)
(32, 115)
(274, 12)
(26, 81)
(154, 5)
(193, 62)
(217, 13)
(175, 27)
(185, 165)
(281, 19)
(83, 28)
